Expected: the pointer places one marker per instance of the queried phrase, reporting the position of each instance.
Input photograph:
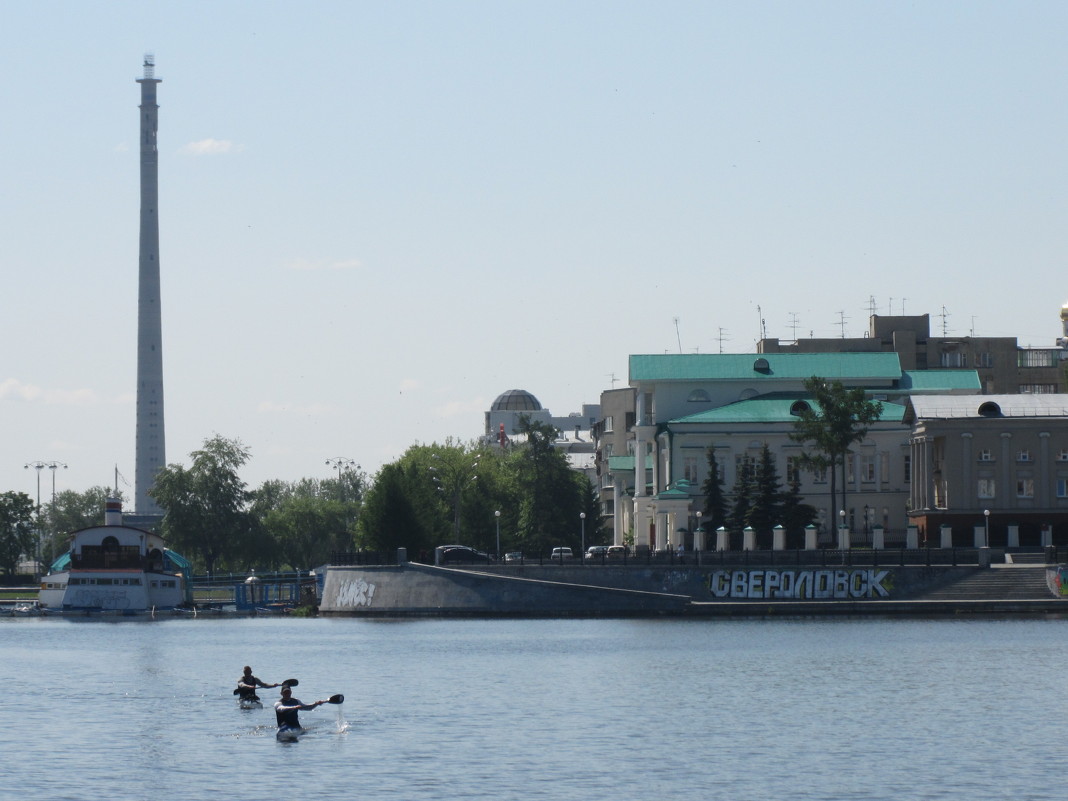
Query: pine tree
(741, 495)
(715, 511)
(766, 497)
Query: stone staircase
(1003, 582)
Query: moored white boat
(116, 569)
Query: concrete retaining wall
(414, 589)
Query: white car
(562, 553)
(597, 552)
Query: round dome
(515, 400)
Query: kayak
(250, 703)
(289, 734)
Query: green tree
(16, 530)
(72, 511)
(715, 511)
(796, 515)
(551, 498)
(741, 495)
(304, 521)
(206, 505)
(838, 418)
(395, 512)
(765, 507)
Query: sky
(377, 217)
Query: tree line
(524, 497)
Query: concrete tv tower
(151, 455)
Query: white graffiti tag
(355, 593)
(799, 584)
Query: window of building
(1035, 357)
(689, 469)
(953, 359)
(1038, 389)
(984, 359)
(867, 468)
(908, 468)
(1024, 455)
(985, 455)
(1062, 487)
(1063, 455)
(793, 470)
(986, 488)
(608, 424)
(884, 467)
(1025, 487)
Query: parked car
(463, 554)
(597, 552)
(562, 553)
(513, 556)
(617, 551)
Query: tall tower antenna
(150, 450)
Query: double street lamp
(39, 466)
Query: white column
(1014, 536)
(811, 538)
(749, 539)
(843, 538)
(778, 538)
(979, 536)
(945, 539)
(878, 538)
(722, 539)
(912, 537)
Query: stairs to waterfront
(1005, 582)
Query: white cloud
(13, 389)
(340, 264)
(211, 147)
(409, 384)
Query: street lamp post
(582, 517)
(497, 515)
(39, 466)
(986, 518)
(341, 463)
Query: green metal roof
(771, 409)
(761, 367)
(939, 380)
(619, 464)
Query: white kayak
(289, 734)
(250, 703)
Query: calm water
(601, 709)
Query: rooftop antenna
(872, 309)
(794, 322)
(612, 379)
(763, 327)
(903, 306)
(945, 316)
(841, 322)
(677, 337)
(722, 338)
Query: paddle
(336, 699)
(286, 683)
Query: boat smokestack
(112, 512)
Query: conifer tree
(715, 511)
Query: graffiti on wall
(355, 593)
(766, 585)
